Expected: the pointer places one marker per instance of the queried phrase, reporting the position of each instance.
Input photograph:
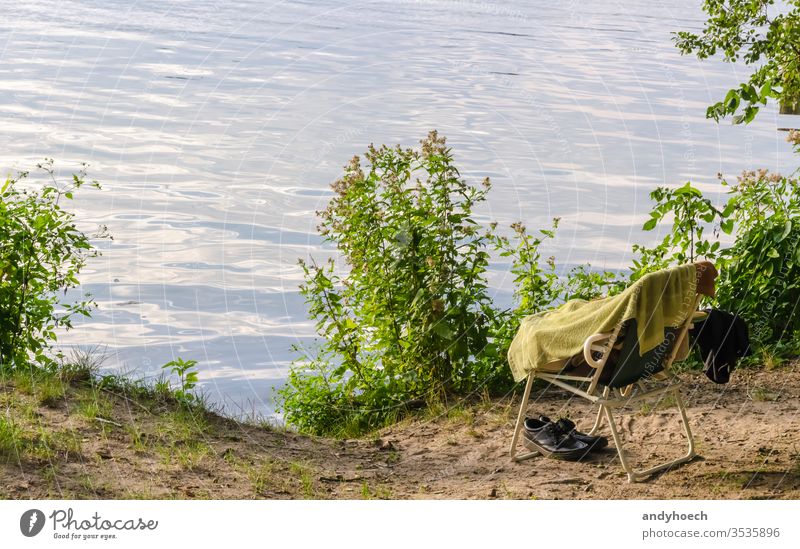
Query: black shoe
(593, 443)
(550, 440)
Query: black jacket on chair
(723, 340)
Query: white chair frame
(607, 402)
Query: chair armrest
(591, 345)
(697, 316)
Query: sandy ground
(747, 437)
(746, 434)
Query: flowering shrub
(411, 319)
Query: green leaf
(732, 100)
(727, 226)
(650, 224)
(350, 324)
(750, 113)
(443, 330)
(766, 91)
(688, 190)
(729, 208)
(748, 93)
(787, 228)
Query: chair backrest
(626, 366)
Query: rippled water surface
(216, 128)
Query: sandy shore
(101, 445)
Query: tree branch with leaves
(759, 33)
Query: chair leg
(634, 476)
(599, 420)
(690, 453)
(520, 419)
(617, 441)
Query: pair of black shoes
(559, 439)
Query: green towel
(657, 300)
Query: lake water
(216, 128)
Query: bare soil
(747, 435)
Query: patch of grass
(161, 387)
(303, 472)
(188, 455)
(50, 476)
(229, 457)
(50, 445)
(51, 391)
(736, 479)
(27, 410)
(132, 389)
(140, 441)
(461, 414)
(262, 477)
(380, 492)
(255, 418)
(182, 425)
(40, 445)
(87, 482)
(94, 405)
(82, 364)
(10, 437)
(760, 394)
(664, 403)
(45, 386)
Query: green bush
(536, 285)
(582, 282)
(760, 275)
(411, 319)
(691, 215)
(41, 255)
(187, 379)
(759, 272)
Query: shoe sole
(571, 455)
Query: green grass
(37, 443)
(262, 477)
(139, 440)
(46, 387)
(303, 473)
(94, 405)
(760, 394)
(379, 492)
(10, 437)
(187, 455)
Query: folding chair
(620, 381)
